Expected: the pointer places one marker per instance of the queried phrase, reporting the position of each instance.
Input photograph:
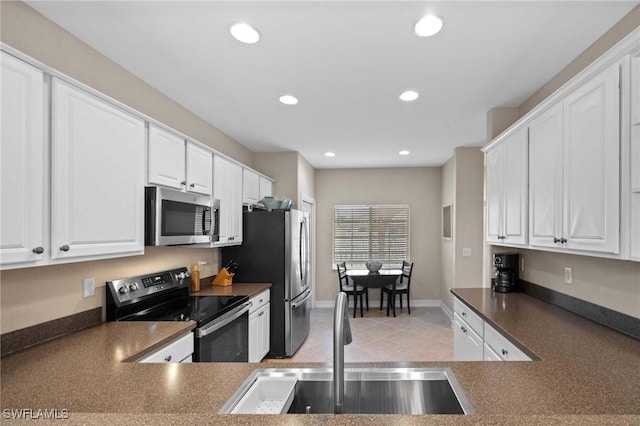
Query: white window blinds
(371, 232)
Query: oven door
(225, 339)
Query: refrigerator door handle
(301, 302)
(307, 250)
(300, 251)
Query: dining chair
(403, 286)
(352, 290)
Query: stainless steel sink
(368, 391)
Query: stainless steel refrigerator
(275, 249)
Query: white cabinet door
(507, 167)
(22, 153)
(635, 158)
(591, 219)
(545, 178)
(254, 337)
(515, 177)
(250, 187)
(97, 182)
(166, 158)
(467, 344)
(494, 196)
(199, 169)
(266, 188)
(265, 331)
(227, 187)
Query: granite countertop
(237, 289)
(587, 374)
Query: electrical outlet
(466, 252)
(89, 287)
(568, 275)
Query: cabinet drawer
(490, 355)
(259, 300)
(176, 351)
(468, 316)
(501, 346)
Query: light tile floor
(425, 335)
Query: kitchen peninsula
(590, 378)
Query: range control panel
(127, 290)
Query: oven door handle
(301, 302)
(228, 318)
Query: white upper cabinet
(266, 188)
(97, 182)
(545, 178)
(507, 191)
(166, 158)
(575, 169)
(250, 187)
(23, 154)
(199, 169)
(177, 163)
(227, 187)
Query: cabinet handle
(563, 240)
(556, 240)
(38, 250)
(193, 185)
(168, 358)
(64, 248)
(464, 330)
(464, 314)
(505, 352)
(184, 182)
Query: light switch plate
(89, 287)
(466, 252)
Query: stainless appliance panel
(297, 322)
(298, 256)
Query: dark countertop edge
(189, 327)
(498, 327)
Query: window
(375, 232)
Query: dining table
(379, 279)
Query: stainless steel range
(222, 330)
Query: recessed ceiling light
(245, 33)
(288, 100)
(404, 152)
(409, 95)
(329, 154)
(428, 26)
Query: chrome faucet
(341, 337)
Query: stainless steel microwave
(176, 218)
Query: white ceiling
(347, 62)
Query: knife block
(223, 279)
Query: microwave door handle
(202, 332)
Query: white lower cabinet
(259, 326)
(180, 350)
(467, 333)
(500, 347)
(475, 340)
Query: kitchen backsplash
(32, 296)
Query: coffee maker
(506, 276)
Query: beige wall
(306, 178)
(448, 246)
(462, 185)
(26, 30)
(34, 295)
(281, 166)
(418, 187)
(611, 283)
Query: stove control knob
(133, 287)
(123, 290)
(182, 275)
